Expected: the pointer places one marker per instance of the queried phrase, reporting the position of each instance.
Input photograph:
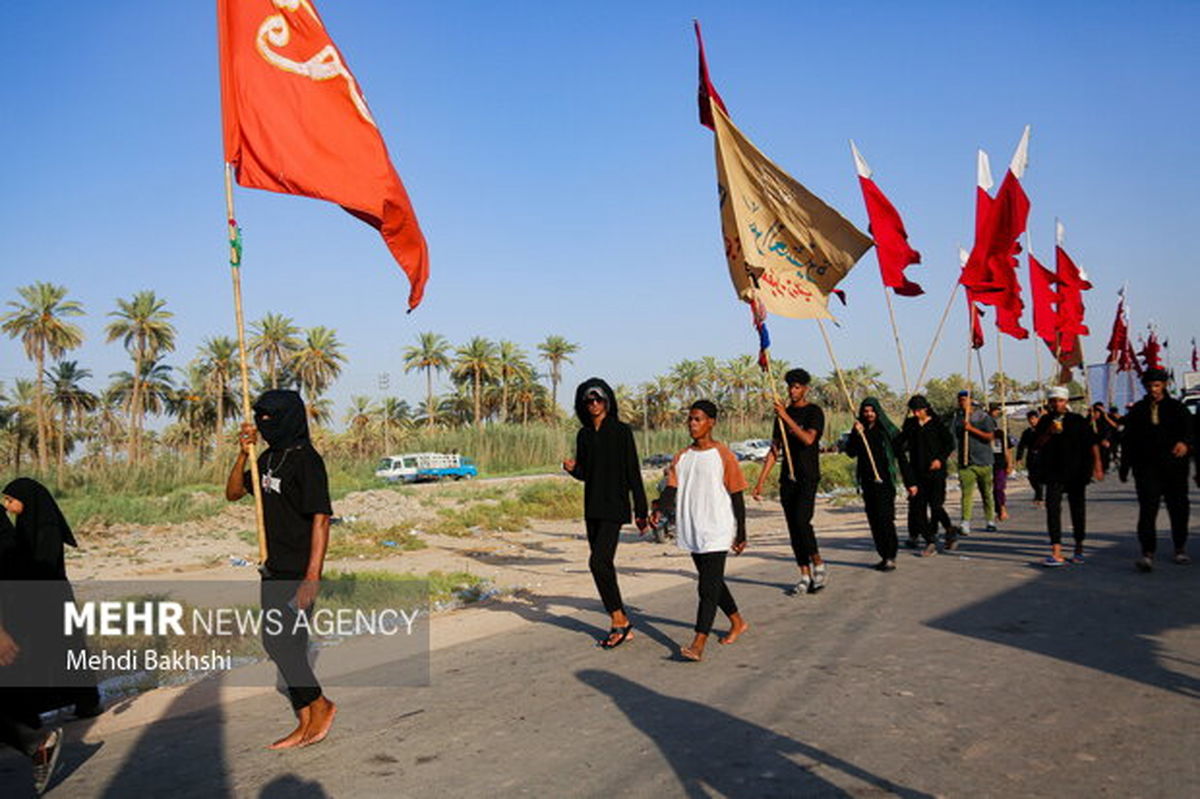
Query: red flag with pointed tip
(887, 228)
(707, 93)
(976, 325)
(295, 121)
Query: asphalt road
(978, 673)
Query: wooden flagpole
(849, 400)
(896, 335)
(783, 433)
(235, 262)
(937, 336)
(970, 397)
(1003, 388)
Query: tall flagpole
(896, 335)
(936, 338)
(849, 400)
(235, 263)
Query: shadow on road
(159, 759)
(714, 752)
(1102, 616)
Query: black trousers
(713, 591)
(799, 499)
(20, 726)
(1075, 501)
(602, 536)
(880, 500)
(286, 645)
(926, 510)
(1154, 485)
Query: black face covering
(281, 419)
(41, 523)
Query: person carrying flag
(802, 422)
(1069, 456)
(973, 431)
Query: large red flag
(707, 93)
(990, 275)
(1045, 302)
(296, 122)
(1072, 282)
(887, 228)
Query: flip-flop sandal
(1051, 563)
(689, 655)
(624, 633)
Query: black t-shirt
(807, 457)
(294, 488)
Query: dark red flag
(1072, 282)
(707, 93)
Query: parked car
(657, 461)
(416, 467)
(752, 449)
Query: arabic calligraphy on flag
(782, 243)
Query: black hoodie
(294, 482)
(606, 460)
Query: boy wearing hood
(606, 461)
(879, 498)
(296, 513)
(927, 446)
(1156, 445)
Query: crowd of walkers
(1063, 452)
(704, 491)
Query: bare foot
(294, 737)
(320, 722)
(690, 654)
(736, 628)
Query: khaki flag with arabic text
(779, 237)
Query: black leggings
(288, 646)
(1154, 486)
(602, 536)
(926, 509)
(881, 516)
(713, 591)
(799, 499)
(1075, 501)
(20, 726)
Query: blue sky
(555, 162)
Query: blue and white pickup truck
(417, 467)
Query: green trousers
(968, 478)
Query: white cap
(1058, 392)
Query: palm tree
(274, 342)
(21, 421)
(687, 376)
(319, 410)
(741, 375)
(217, 359)
(155, 388)
(71, 399)
(431, 353)
(394, 416)
(146, 332)
(40, 322)
(511, 364)
(556, 351)
(319, 361)
(195, 408)
(358, 417)
(476, 360)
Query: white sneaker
(802, 587)
(819, 579)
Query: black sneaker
(45, 759)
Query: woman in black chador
(36, 553)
